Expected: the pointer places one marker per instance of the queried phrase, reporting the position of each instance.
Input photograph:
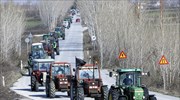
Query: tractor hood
(137, 93)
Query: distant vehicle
(58, 78)
(36, 46)
(39, 72)
(60, 32)
(66, 24)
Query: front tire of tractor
(80, 94)
(146, 93)
(113, 94)
(104, 93)
(52, 90)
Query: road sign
(30, 35)
(93, 38)
(27, 40)
(163, 61)
(122, 55)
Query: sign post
(30, 37)
(27, 40)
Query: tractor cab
(128, 77)
(128, 85)
(39, 69)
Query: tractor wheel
(52, 90)
(36, 86)
(57, 50)
(104, 93)
(152, 98)
(47, 88)
(68, 93)
(80, 94)
(122, 98)
(33, 82)
(146, 93)
(63, 38)
(72, 91)
(52, 55)
(113, 94)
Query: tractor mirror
(148, 73)
(110, 74)
(74, 69)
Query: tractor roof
(43, 60)
(36, 44)
(61, 63)
(91, 66)
(129, 70)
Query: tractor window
(88, 74)
(57, 29)
(62, 69)
(35, 66)
(44, 66)
(129, 79)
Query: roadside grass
(32, 23)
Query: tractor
(58, 78)
(87, 82)
(51, 45)
(60, 31)
(37, 52)
(128, 85)
(39, 72)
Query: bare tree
(122, 26)
(50, 11)
(11, 28)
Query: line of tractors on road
(86, 81)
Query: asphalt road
(69, 48)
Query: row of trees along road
(121, 26)
(52, 11)
(12, 26)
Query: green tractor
(60, 32)
(128, 86)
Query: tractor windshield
(41, 66)
(57, 29)
(132, 78)
(88, 73)
(61, 69)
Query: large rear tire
(80, 94)
(113, 94)
(36, 86)
(33, 80)
(104, 93)
(52, 55)
(52, 90)
(47, 87)
(122, 98)
(152, 98)
(57, 50)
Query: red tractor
(38, 75)
(87, 82)
(58, 78)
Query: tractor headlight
(63, 79)
(143, 97)
(134, 97)
(93, 87)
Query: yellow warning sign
(163, 61)
(122, 55)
